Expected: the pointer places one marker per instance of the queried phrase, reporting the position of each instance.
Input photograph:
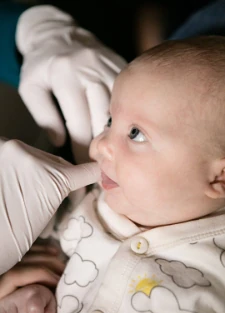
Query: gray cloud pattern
(160, 300)
(182, 275)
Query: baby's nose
(101, 147)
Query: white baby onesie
(115, 266)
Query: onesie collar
(163, 237)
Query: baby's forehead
(186, 66)
(185, 96)
(145, 74)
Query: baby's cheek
(135, 188)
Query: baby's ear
(216, 187)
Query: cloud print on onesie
(154, 304)
(219, 243)
(77, 229)
(69, 302)
(182, 275)
(86, 271)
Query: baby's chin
(110, 200)
(121, 206)
(116, 202)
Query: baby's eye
(136, 135)
(109, 122)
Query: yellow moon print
(144, 284)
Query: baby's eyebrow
(139, 119)
(147, 122)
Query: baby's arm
(32, 298)
(40, 265)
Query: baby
(154, 239)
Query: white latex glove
(33, 184)
(64, 59)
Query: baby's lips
(107, 183)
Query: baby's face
(152, 170)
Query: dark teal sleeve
(10, 62)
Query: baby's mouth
(107, 183)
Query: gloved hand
(32, 298)
(68, 61)
(33, 184)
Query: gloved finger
(109, 71)
(75, 176)
(98, 98)
(82, 175)
(44, 111)
(112, 60)
(39, 154)
(107, 77)
(73, 102)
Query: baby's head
(162, 153)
